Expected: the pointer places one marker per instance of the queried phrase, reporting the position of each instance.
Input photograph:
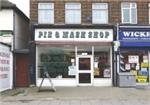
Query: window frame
(130, 12)
(67, 9)
(51, 9)
(100, 10)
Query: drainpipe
(32, 57)
(117, 53)
(115, 49)
(13, 52)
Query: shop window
(99, 13)
(102, 67)
(129, 13)
(46, 13)
(135, 62)
(59, 62)
(73, 13)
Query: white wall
(21, 32)
(6, 19)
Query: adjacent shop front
(134, 52)
(74, 56)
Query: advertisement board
(5, 68)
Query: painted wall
(21, 31)
(6, 19)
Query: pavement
(77, 96)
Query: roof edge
(9, 5)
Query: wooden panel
(84, 77)
(22, 77)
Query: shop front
(134, 52)
(74, 57)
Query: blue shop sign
(134, 34)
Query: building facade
(134, 38)
(73, 39)
(134, 52)
(14, 31)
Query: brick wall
(33, 11)
(142, 12)
(59, 12)
(86, 5)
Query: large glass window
(58, 61)
(46, 13)
(72, 13)
(102, 67)
(129, 13)
(135, 61)
(99, 13)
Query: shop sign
(5, 68)
(137, 34)
(90, 35)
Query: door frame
(84, 71)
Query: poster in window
(95, 64)
(72, 70)
(127, 66)
(137, 67)
(144, 65)
(142, 79)
(145, 59)
(144, 71)
(107, 73)
(133, 59)
(133, 65)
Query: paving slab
(77, 96)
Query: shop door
(84, 70)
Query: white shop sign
(5, 68)
(77, 35)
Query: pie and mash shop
(84, 58)
(73, 35)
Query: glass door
(84, 70)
